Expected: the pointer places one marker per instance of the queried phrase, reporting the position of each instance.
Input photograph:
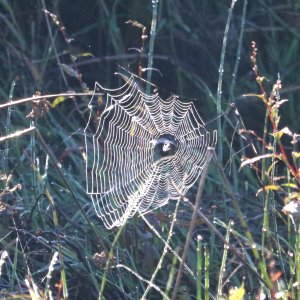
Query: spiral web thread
(122, 175)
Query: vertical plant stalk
(199, 267)
(14, 266)
(171, 277)
(151, 43)
(291, 241)
(61, 256)
(243, 223)
(266, 222)
(164, 252)
(220, 82)
(108, 261)
(270, 112)
(232, 92)
(143, 39)
(240, 123)
(19, 241)
(238, 52)
(54, 46)
(272, 104)
(49, 197)
(223, 263)
(296, 266)
(272, 200)
(266, 230)
(192, 224)
(33, 158)
(297, 258)
(63, 31)
(7, 128)
(53, 261)
(206, 269)
(178, 70)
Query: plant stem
(151, 43)
(220, 83)
(199, 267)
(192, 225)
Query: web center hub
(164, 147)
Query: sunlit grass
(52, 243)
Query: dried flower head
(39, 107)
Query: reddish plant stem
(268, 103)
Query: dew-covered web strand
(141, 143)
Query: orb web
(142, 150)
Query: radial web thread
(143, 149)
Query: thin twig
(168, 246)
(142, 279)
(108, 262)
(192, 225)
(118, 57)
(10, 103)
(17, 134)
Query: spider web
(142, 151)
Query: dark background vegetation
(187, 54)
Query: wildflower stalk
(272, 111)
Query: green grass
(55, 244)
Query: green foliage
(52, 244)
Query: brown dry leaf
(39, 107)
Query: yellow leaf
(58, 100)
(260, 78)
(290, 185)
(296, 155)
(237, 294)
(294, 195)
(85, 54)
(284, 130)
(268, 188)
